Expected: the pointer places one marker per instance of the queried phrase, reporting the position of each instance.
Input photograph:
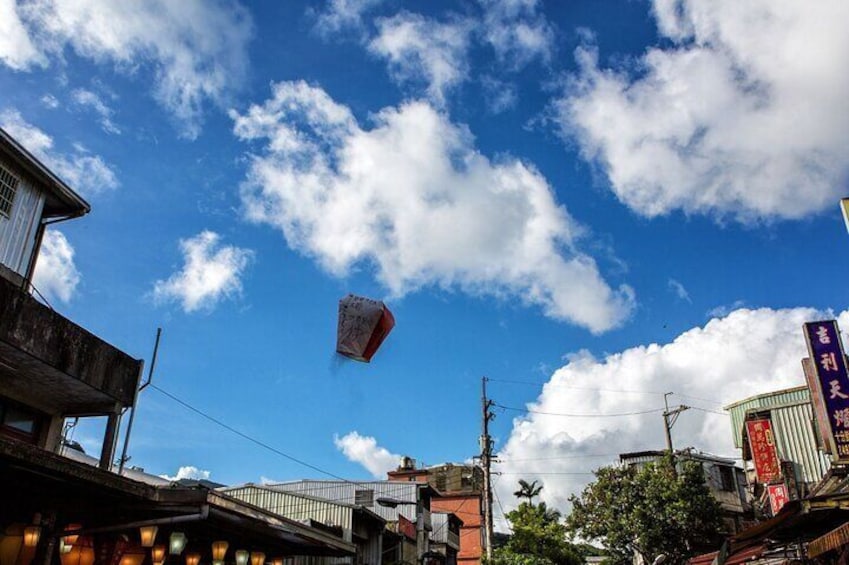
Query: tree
(539, 536)
(650, 511)
(527, 490)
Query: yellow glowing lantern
(219, 550)
(31, 535)
(257, 558)
(148, 535)
(192, 558)
(157, 554)
(277, 561)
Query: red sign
(778, 497)
(406, 527)
(764, 454)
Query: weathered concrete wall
(32, 328)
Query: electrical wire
(526, 410)
(594, 389)
(254, 440)
(588, 455)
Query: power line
(249, 438)
(536, 473)
(595, 389)
(526, 410)
(709, 410)
(500, 460)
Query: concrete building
(59, 509)
(356, 524)
(406, 507)
(725, 480)
(459, 489)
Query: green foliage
(539, 536)
(650, 511)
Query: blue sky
(591, 203)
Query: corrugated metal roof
(296, 507)
(346, 492)
(793, 424)
(739, 409)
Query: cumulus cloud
(414, 198)
(196, 50)
(340, 15)
(17, 49)
(88, 99)
(188, 472)
(211, 272)
(365, 451)
(517, 30)
(747, 352)
(81, 170)
(56, 275)
(743, 115)
(421, 49)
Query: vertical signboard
(764, 454)
(826, 353)
(778, 497)
(820, 412)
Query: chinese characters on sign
(829, 363)
(777, 497)
(764, 454)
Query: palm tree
(528, 490)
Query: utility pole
(486, 460)
(669, 419)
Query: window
(18, 422)
(364, 497)
(8, 187)
(726, 477)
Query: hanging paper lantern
(363, 325)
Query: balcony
(54, 365)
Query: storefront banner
(764, 454)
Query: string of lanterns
(77, 549)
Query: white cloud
(17, 49)
(500, 96)
(83, 172)
(743, 115)
(746, 353)
(196, 49)
(365, 451)
(188, 472)
(89, 99)
(340, 15)
(423, 49)
(50, 101)
(56, 275)
(517, 30)
(211, 272)
(415, 199)
(679, 290)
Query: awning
(834, 539)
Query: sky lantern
(363, 325)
